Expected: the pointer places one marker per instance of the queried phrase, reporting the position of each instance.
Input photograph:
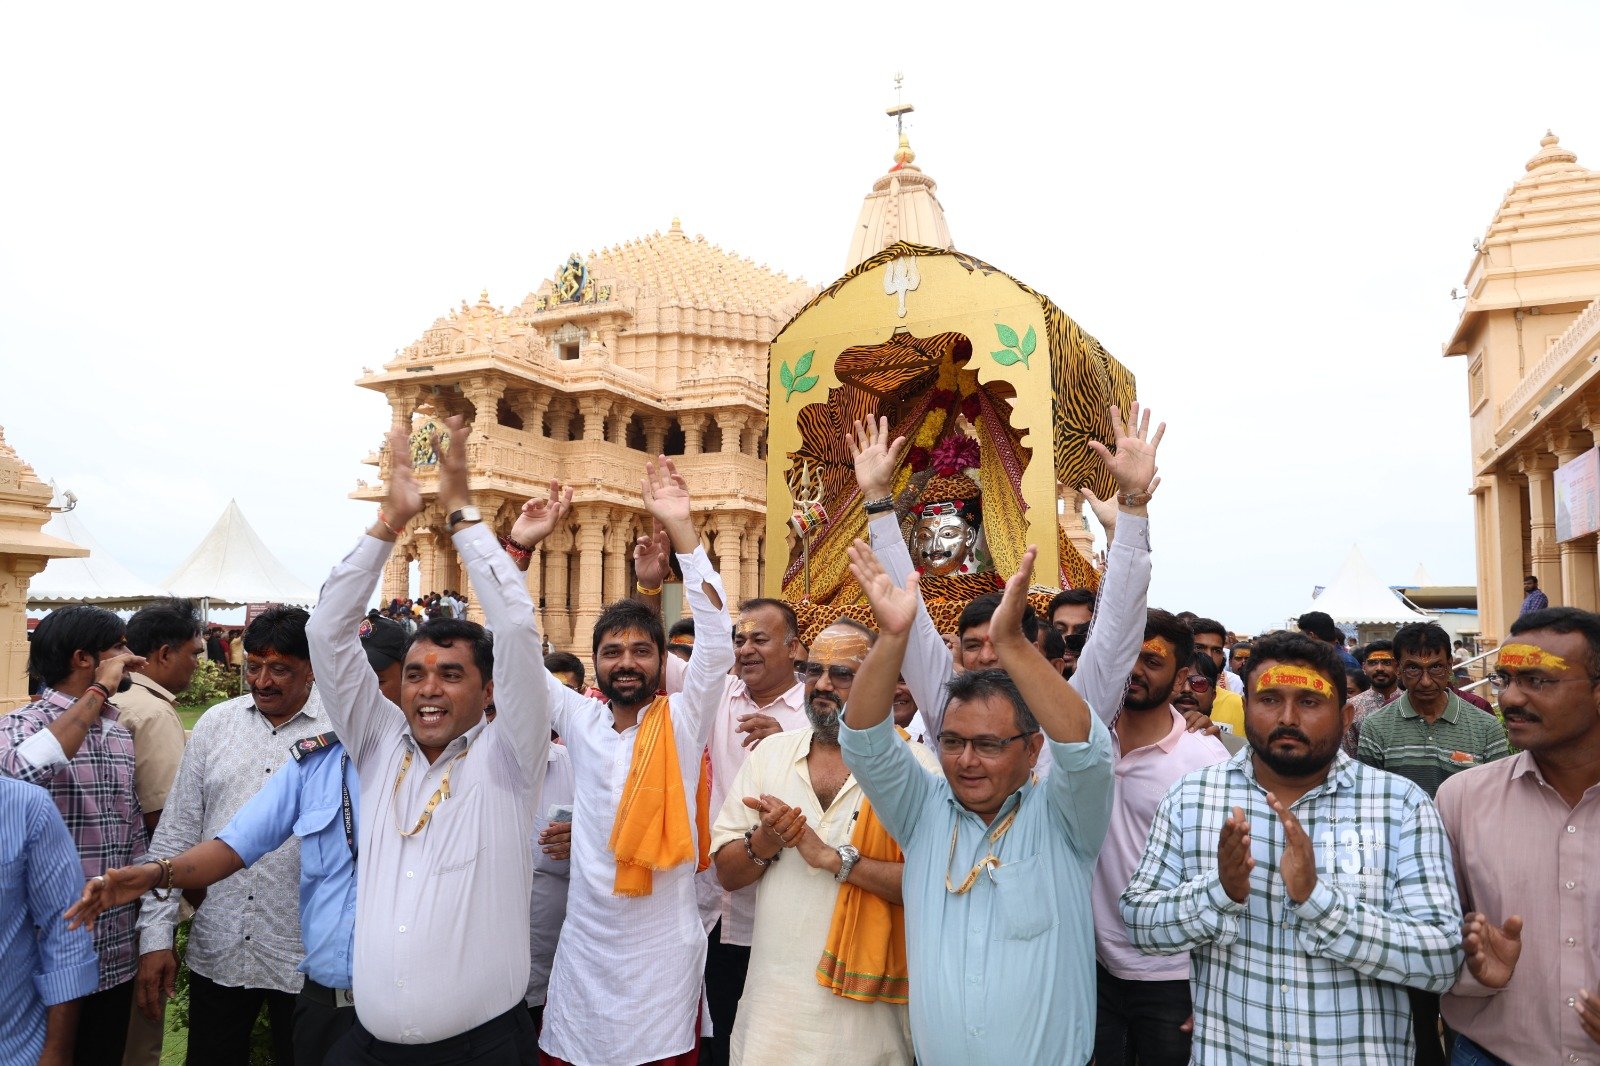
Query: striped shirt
(1398, 739)
(94, 791)
(1314, 982)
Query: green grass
(174, 1046)
(191, 715)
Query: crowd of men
(1109, 834)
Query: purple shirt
(95, 795)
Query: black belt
(458, 1046)
(328, 997)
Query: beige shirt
(785, 1015)
(149, 713)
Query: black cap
(384, 641)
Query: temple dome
(901, 207)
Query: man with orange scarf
(828, 981)
(625, 985)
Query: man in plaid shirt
(1310, 890)
(68, 741)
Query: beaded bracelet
(515, 550)
(750, 851)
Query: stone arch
(633, 436)
(505, 416)
(673, 443)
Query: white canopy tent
(1355, 596)
(233, 567)
(97, 578)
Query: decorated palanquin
(997, 391)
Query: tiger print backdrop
(924, 386)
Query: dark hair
(279, 629)
(1377, 645)
(980, 610)
(624, 615)
(444, 632)
(564, 662)
(1320, 624)
(1285, 647)
(1532, 578)
(682, 627)
(1169, 627)
(1421, 637)
(1563, 620)
(66, 631)
(1201, 662)
(1208, 625)
(1055, 645)
(163, 624)
(1237, 645)
(981, 684)
(1070, 598)
(1359, 681)
(782, 608)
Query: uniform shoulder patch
(301, 748)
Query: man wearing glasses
(1526, 838)
(1428, 735)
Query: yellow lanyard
(987, 862)
(440, 793)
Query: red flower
(918, 458)
(971, 407)
(940, 399)
(955, 454)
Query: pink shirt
(1141, 778)
(1519, 849)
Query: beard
(1315, 757)
(823, 711)
(643, 689)
(1149, 697)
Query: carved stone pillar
(426, 543)
(557, 611)
(531, 406)
(655, 434)
(561, 420)
(617, 424)
(594, 410)
(396, 573)
(693, 423)
(749, 577)
(731, 423)
(1545, 556)
(618, 542)
(590, 546)
(485, 396)
(1578, 571)
(729, 541)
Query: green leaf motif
(1008, 336)
(786, 376)
(802, 366)
(1005, 357)
(1030, 341)
(805, 384)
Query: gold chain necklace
(987, 862)
(439, 794)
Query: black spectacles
(989, 747)
(1530, 682)
(839, 675)
(1413, 672)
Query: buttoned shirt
(42, 962)
(1319, 981)
(1143, 776)
(548, 906)
(625, 986)
(785, 1015)
(149, 712)
(1519, 849)
(737, 910)
(306, 799)
(94, 791)
(442, 913)
(1003, 973)
(1398, 739)
(1115, 631)
(1534, 601)
(1364, 704)
(246, 934)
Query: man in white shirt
(447, 798)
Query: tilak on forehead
(1379, 657)
(273, 655)
(1528, 657)
(1289, 676)
(1159, 645)
(840, 644)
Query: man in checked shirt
(1309, 889)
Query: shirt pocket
(1024, 899)
(321, 833)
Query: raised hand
(651, 565)
(453, 493)
(895, 607)
(1005, 626)
(666, 497)
(1233, 857)
(1298, 866)
(1492, 950)
(1133, 463)
(875, 457)
(111, 889)
(404, 501)
(540, 518)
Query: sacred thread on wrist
(384, 522)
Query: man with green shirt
(1428, 735)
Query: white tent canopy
(97, 578)
(233, 567)
(1422, 579)
(1356, 597)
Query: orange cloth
(864, 957)
(651, 830)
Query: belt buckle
(342, 997)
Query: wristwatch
(1133, 499)
(879, 506)
(848, 857)
(468, 513)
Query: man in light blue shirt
(999, 933)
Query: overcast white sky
(213, 216)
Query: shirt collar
(312, 708)
(61, 702)
(794, 695)
(155, 688)
(1448, 714)
(1175, 734)
(465, 740)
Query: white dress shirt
(441, 942)
(625, 987)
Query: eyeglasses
(1532, 683)
(839, 675)
(988, 747)
(1195, 683)
(1413, 672)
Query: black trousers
(318, 1024)
(221, 1018)
(507, 1040)
(1425, 1027)
(101, 1038)
(1140, 1021)
(726, 966)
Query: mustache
(1288, 733)
(828, 696)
